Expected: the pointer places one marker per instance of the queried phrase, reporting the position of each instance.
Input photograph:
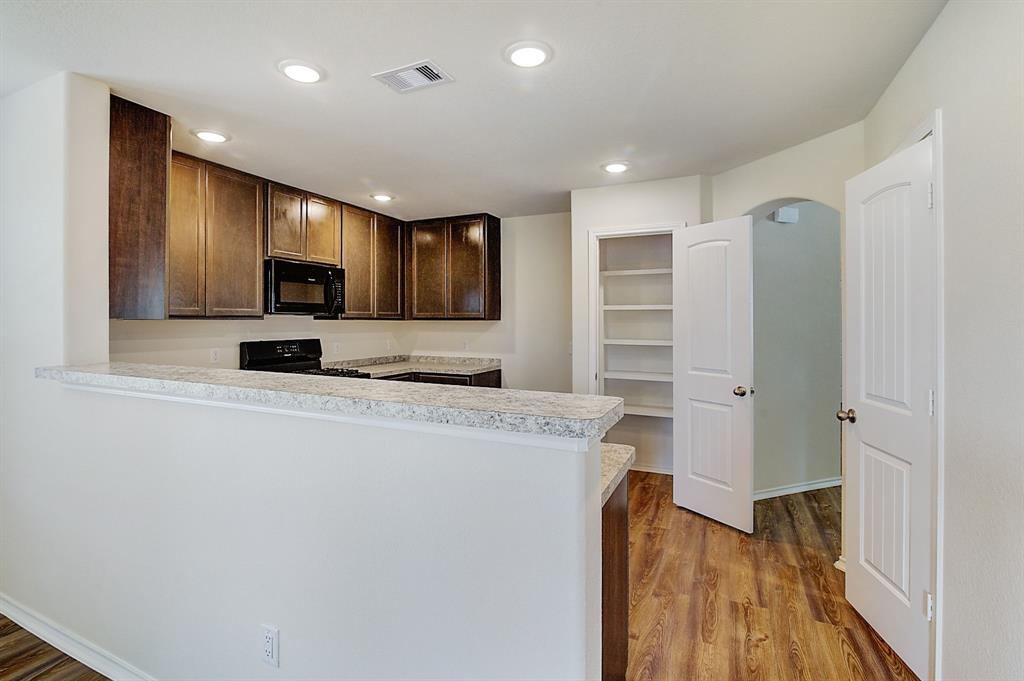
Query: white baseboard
(86, 652)
(644, 468)
(797, 488)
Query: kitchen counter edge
(561, 415)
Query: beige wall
(797, 350)
(816, 170)
(532, 338)
(971, 65)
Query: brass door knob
(739, 391)
(847, 415)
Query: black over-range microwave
(303, 288)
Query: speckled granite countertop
(518, 411)
(615, 463)
(394, 365)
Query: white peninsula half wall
(153, 532)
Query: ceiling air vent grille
(414, 76)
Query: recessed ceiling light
(383, 198)
(300, 71)
(211, 136)
(616, 167)
(528, 53)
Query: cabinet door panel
(466, 268)
(234, 244)
(357, 260)
(186, 239)
(286, 226)
(444, 379)
(140, 159)
(387, 268)
(427, 270)
(323, 231)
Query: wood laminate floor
(708, 602)
(24, 657)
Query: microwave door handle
(329, 293)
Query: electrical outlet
(271, 645)
(465, 345)
(336, 347)
(214, 355)
(387, 346)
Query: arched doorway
(797, 346)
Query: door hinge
(930, 606)
(931, 195)
(931, 402)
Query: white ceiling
(675, 88)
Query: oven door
(303, 288)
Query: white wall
(971, 65)
(797, 349)
(672, 201)
(166, 533)
(532, 338)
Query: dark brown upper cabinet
(215, 241)
(388, 274)
(323, 230)
(454, 268)
(372, 260)
(140, 156)
(234, 243)
(186, 238)
(357, 261)
(427, 270)
(303, 226)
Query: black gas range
(290, 356)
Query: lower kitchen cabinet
(487, 379)
(615, 584)
(400, 377)
(444, 379)
(215, 241)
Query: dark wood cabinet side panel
(286, 222)
(186, 239)
(234, 244)
(388, 273)
(427, 270)
(615, 584)
(356, 260)
(492, 278)
(139, 174)
(323, 230)
(466, 268)
(488, 379)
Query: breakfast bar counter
(562, 415)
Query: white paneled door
(888, 399)
(713, 358)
